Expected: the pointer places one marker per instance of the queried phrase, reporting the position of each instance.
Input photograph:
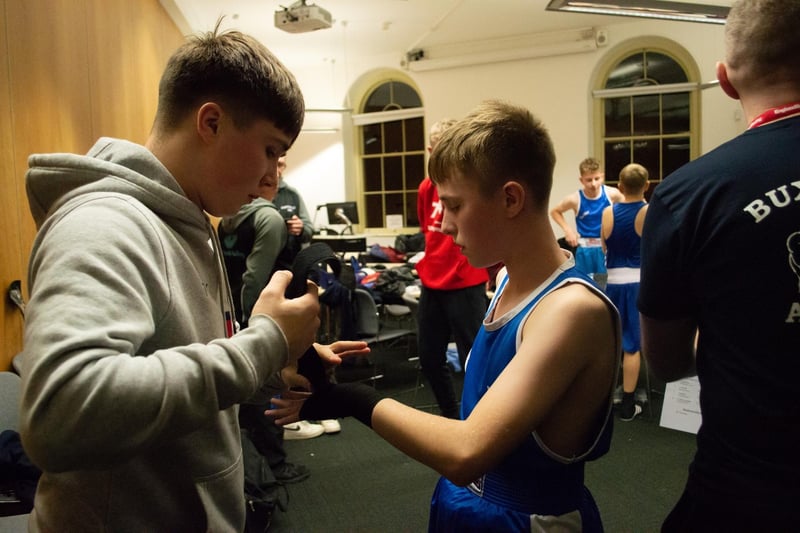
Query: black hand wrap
(307, 265)
(340, 400)
(329, 400)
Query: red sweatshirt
(443, 267)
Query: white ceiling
(385, 28)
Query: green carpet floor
(359, 483)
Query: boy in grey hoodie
(132, 370)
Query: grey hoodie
(130, 386)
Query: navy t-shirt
(721, 244)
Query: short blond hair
(590, 164)
(494, 143)
(438, 128)
(633, 178)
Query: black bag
(262, 492)
(393, 282)
(18, 475)
(410, 243)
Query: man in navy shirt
(718, 290)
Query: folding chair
(370, 328)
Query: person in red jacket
(453, 299)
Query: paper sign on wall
(394, 221)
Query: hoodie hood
(112, 165)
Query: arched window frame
(360, 92)
(599, 93)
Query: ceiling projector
(301, 18)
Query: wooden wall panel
(73, 70)
(49, 84)
(48, 77)
(11, 262)
(123, 94)
(131, 52)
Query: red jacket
(443, 267)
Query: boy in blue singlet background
(587, 203)
(621, 235)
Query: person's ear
(513, 197)
(724, 82)
(208, 120)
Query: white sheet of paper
(394, 221)
(681, 408)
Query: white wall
(556, 89)
(314, 166)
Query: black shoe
(290, 473)
(626, 415)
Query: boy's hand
(285, 409)
(298, 318)
(292, 381)
(295, 225)
(332, 354)
(571, 236)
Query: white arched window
(391, 133)
(646, 105)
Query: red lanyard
(775, 114)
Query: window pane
(372, 174)
(379, 99)
(372, 139)
(646, 152)
(415, 171)
(618, 116)
(663, 69)
(394, 204)
(675, 113)
(617, 155)
(646, 115)
(627, 72)
(392, 173)
(415, 134)
(393, 132)
(411, 209)
(676, 154)
(405, 96)
(374, 209)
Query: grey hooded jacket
(131, 373)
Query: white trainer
(302, 430)
(331, 425)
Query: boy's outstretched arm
(557, 384)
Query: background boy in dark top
(621, 237)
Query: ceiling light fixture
(512, 48)
(655, 9)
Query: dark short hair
(495, 143)
(763, 38)
(237, 72)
